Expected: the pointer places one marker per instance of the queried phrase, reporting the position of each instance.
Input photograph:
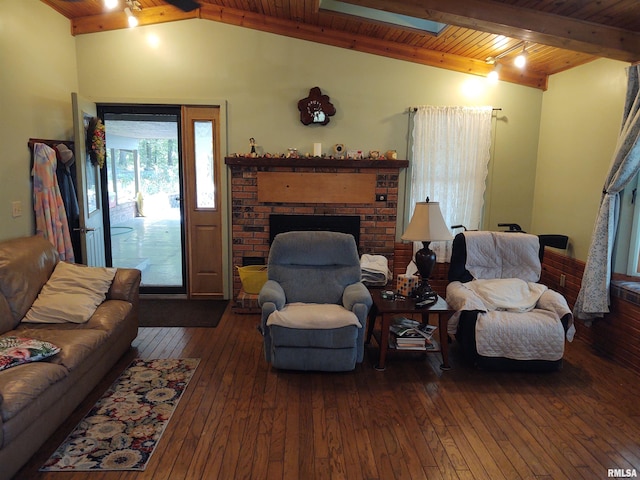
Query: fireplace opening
(333, 223)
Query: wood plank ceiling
(558, 34)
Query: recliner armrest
(272, 292)
(356, 293)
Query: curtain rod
(415, 109)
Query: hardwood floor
(241, 419)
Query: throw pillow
(16, 351)
(72, 294)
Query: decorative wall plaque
(316, 108)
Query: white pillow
(72, 294)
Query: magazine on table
(404, 327)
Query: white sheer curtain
(449, 164)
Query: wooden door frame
(225, 190)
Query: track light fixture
(110, 4)
(131, 19)
(521, 60)
(132, 5)
(494, 75)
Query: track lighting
(521, 60)
(494, 75)
(110, 4)
(131, 19)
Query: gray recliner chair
(314, 306)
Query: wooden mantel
(313, 162)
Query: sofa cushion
(75, 344)
(16, 351)
(72, 294)
(25, 266)
(22, 385)
(6, 319)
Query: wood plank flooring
(240, 419)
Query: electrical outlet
(16, 209)
(563, 279)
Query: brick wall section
(616, 335)
(250, 219)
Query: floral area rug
(122, 430)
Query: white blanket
(503, 255)
(510, 294)
(313, 315)
(535, 335)
(375, 270)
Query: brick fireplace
(316, 186)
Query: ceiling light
(494, 75)
(521, 60)
(110, 4)
(131, 19)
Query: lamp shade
(427, 224)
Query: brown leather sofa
(35, 398)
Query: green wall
(581, 118)
(38, 72)
(549, 153)
(262, 76)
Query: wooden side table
(387, 309)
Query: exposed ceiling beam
(517, 22)
(290, 28)
(118, 20)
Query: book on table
(408, 334)
(404, 327)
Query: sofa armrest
(125, 285)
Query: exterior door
(201, 155)
(142, 180)
(89, 186)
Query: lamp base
(425, 292)
(425, 261)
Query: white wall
(38, 72)
(581, 118)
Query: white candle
(317, 149)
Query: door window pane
(205, 181)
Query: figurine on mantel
(252, 145)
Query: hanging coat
(51, 216)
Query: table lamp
(426, 226)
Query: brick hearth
(250, 217)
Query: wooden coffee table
(387, 309)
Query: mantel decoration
(316, 108)
(96, 142)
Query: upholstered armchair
(504, 319)
(314, 306)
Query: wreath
(96, 142)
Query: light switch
(16, 208)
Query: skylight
(383, 16)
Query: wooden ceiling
(558, 34)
